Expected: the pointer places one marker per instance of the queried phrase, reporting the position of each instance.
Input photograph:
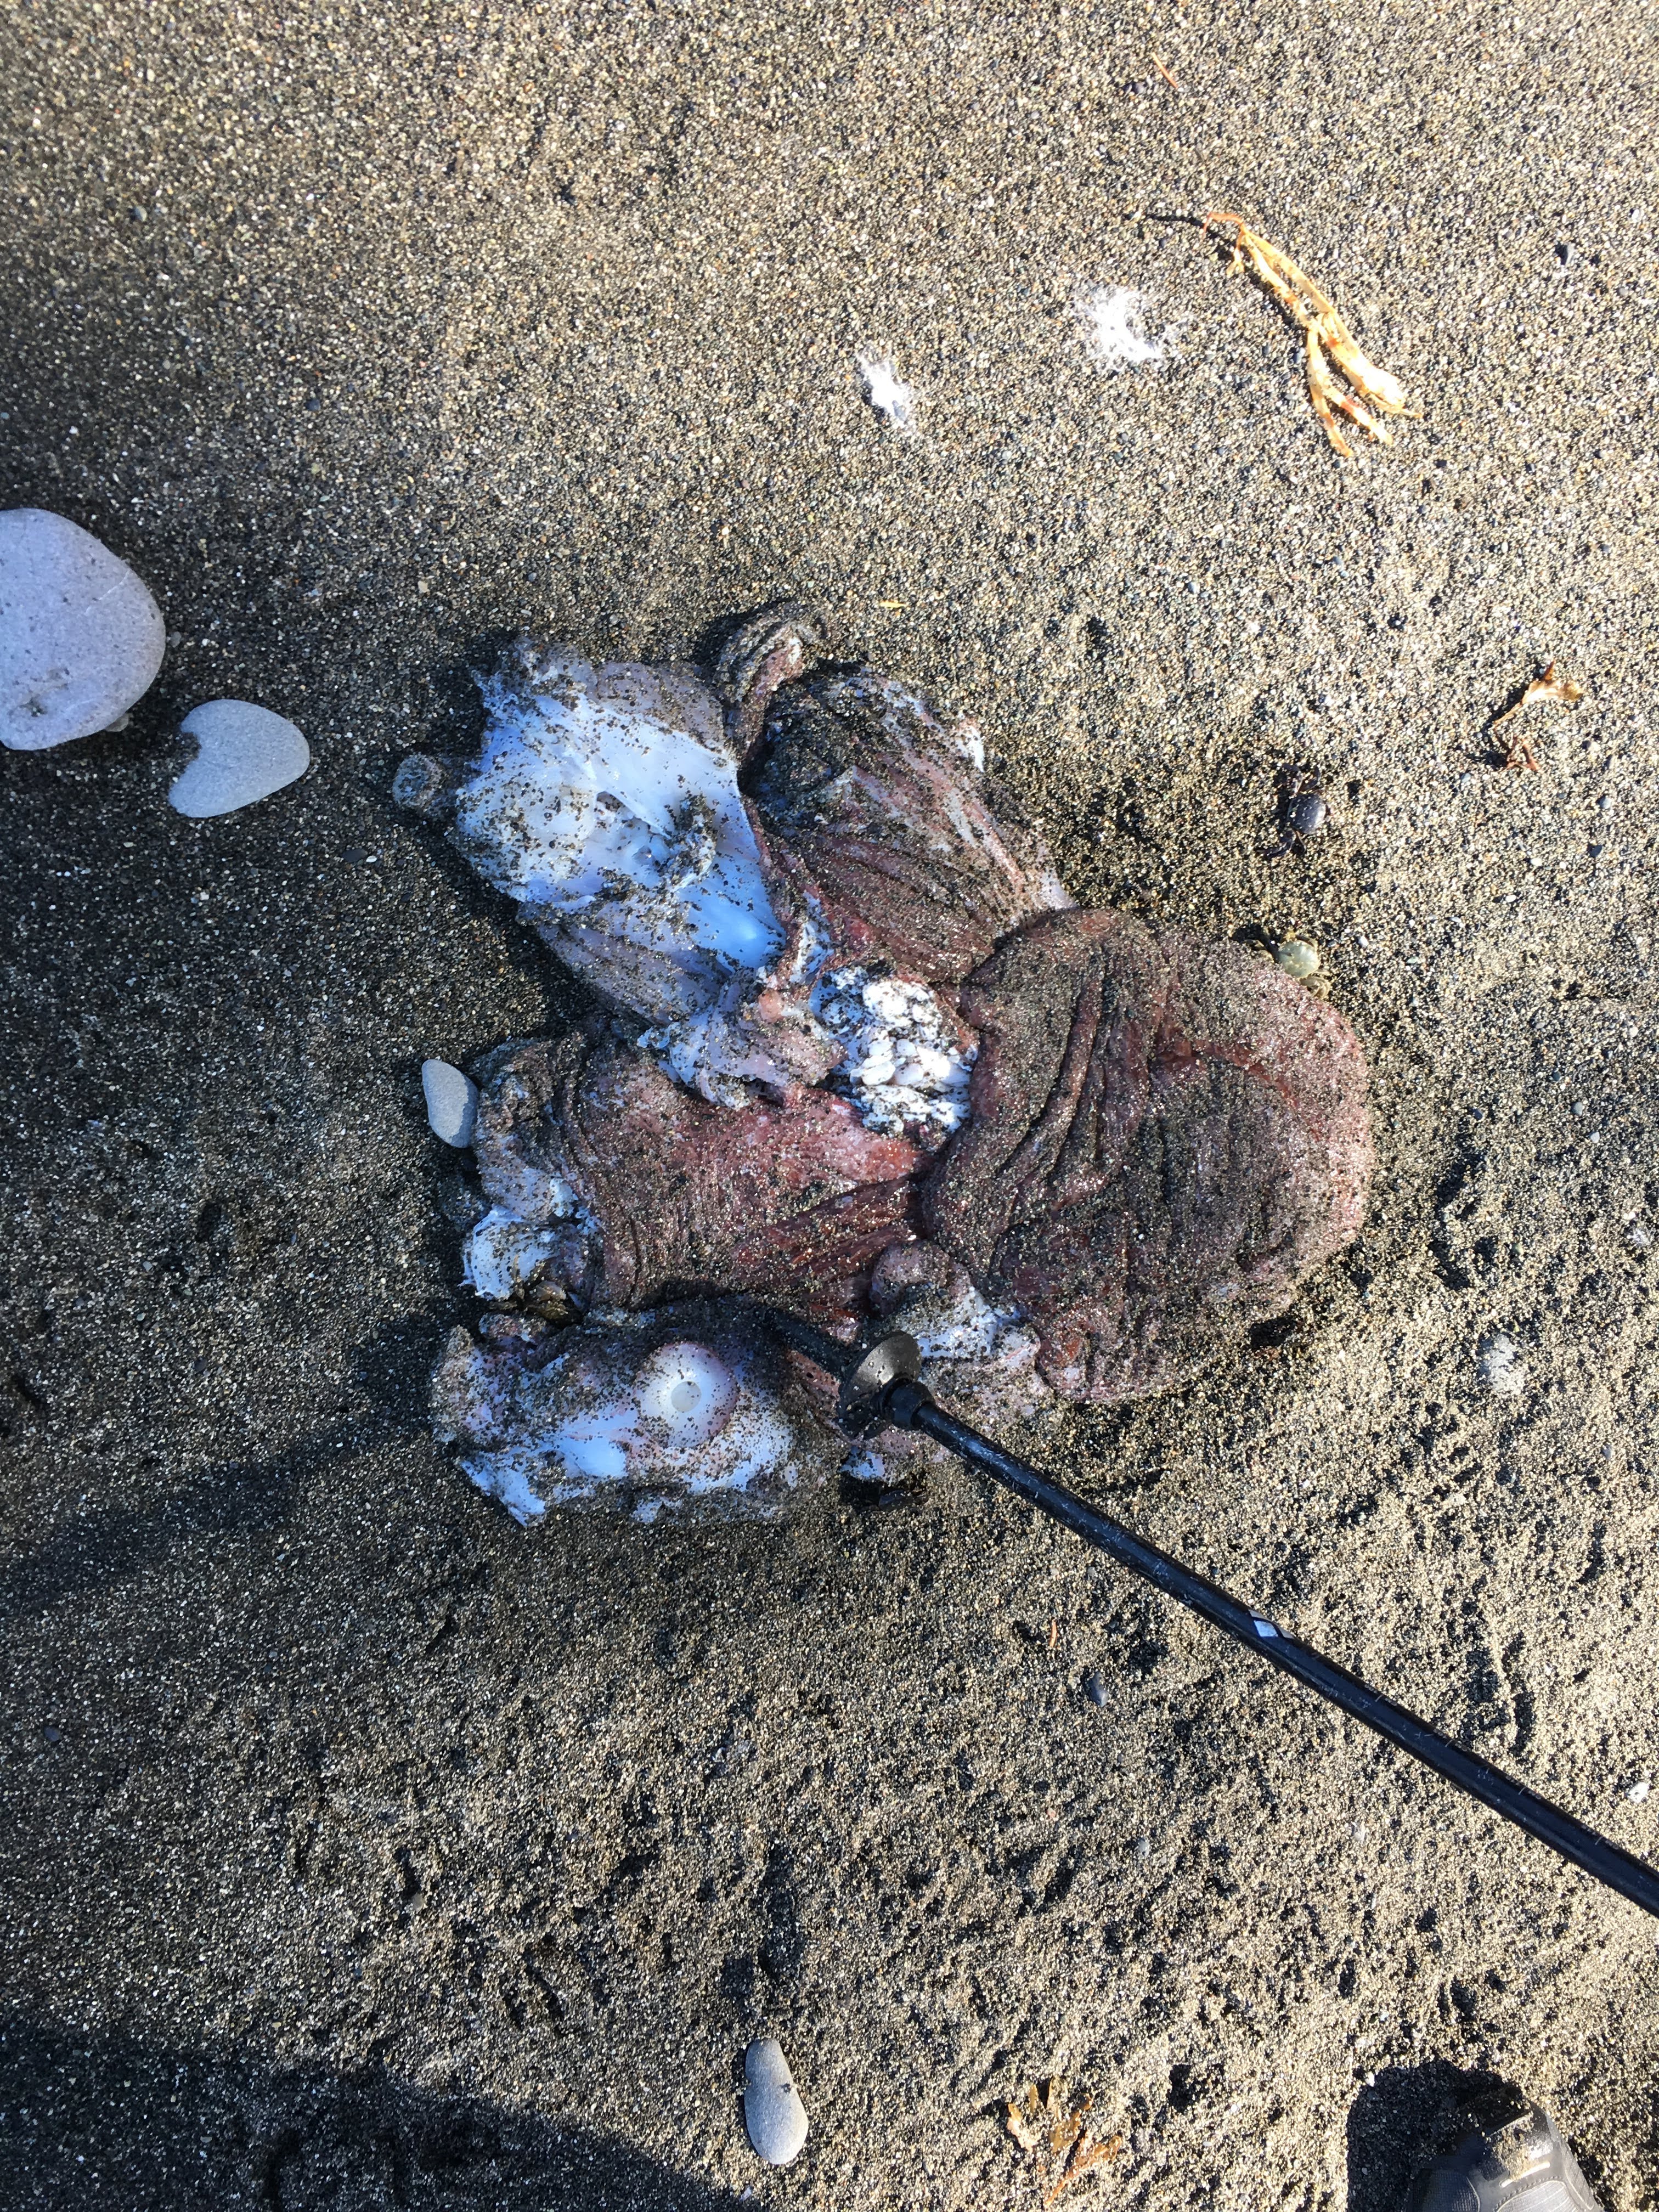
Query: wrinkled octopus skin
(858, 1054)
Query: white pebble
(890, 397)
(1502, 1369)
(81, 638)
(245, 753)
(1639, 1792)
(451, 1102)
(772, 2109)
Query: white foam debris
(888, 396)
(1501, 1367)
(243, 753)
(506, 1475)
(1639, 1792)
(903, 1065)
(451, 1102)
(605, 802)
(80, 637)
(965, 1327)
(503, 1255)
(1114, 328)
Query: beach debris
(1366, 391)
(1166, 72)
(243, 753)
(1094, 1689)
(1639, 1792)
(1114, 320)
(1044, 2122)
(886, 393)
(1501, 1367)
(451, 1102)
(861, 1056)
(1298, 958)
(1550, 688)
(80, 637)
(772, 2109)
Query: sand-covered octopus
(854, 1052)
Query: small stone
(81, 638)
(451, 1102)
(1298, 959)
(419, 783)
(52, 1734)
(1501, 1367)
(244, 754)
(1094, 1689)
(1639, 1792)
(772, 2109)
(1637, 1237)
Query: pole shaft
(1620, 1870)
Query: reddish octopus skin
(792, 1202)
(1166, 1134)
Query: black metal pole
(865, 1376)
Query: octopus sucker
(854, 1052)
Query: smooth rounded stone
(1094, 1689)
(244, 754)
(1298, 959)
(81, 638)
(772, 2109)
(451, 1102)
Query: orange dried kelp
(1053, 2130)
(1545, 690)
(1369, 391)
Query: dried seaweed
(1044, 2122)
(1363, 391)
(1549, 689)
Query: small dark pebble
(1094, 1689)
(52, 1734)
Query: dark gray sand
(360, 1849)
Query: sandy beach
(361, 1849)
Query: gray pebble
(1094, 1689)
(244, 754)
(1298, 959)
(81, 638)
(772, 2109)
(451, 1102)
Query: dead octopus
(855, 1053)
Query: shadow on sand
(101, 2122)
